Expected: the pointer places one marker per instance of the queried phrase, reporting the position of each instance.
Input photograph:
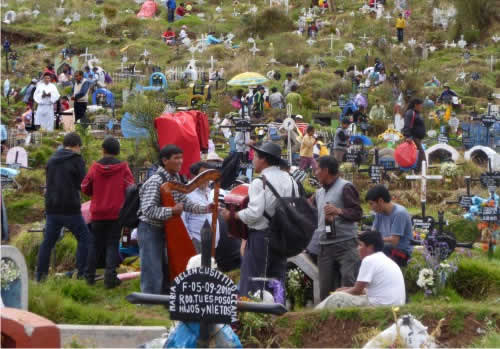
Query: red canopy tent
(188, 130)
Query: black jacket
(417, 130)
(65, 173)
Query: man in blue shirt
(393, 222)
(171, 5)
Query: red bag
(406, 154)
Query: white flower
(425, 278)
(9, 272)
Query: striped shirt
(152, 211)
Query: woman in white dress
(46, 94)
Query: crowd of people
(349, 261)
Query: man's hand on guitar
(177, 209)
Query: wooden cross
(423, 182)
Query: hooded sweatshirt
(64, 174)
(106, 182)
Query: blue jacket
(171, 4)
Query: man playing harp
(150, 232)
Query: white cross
(462, 43)
(310, 41)
(86, 54)
(212, 62)
(412, 42)
(491, 61)
(453, 45)
(495, 38)
(92, 15)
(35, 13)
(364, 37)
(67, 20)
(446, 44)
(423, 181)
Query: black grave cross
(465, 201)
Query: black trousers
(260, 261)
(104, 237)
(80, 108)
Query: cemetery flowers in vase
(9, 272)
(449, 170)
(437, 269)
(297, 287)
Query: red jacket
(106, 182)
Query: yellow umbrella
(247, 79)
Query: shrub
(40, 156)
(464, 230)
(476, 278)
(109, 11)
(478, 89)
(65, 250)
(31, 180)
(270, 21)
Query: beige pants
(342, 299)
(338, 154)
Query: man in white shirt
(380, 281)
(201, 196)
(258, 259)
(46, 94)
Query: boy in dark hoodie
(106, 182)
(64, 174)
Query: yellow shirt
(323, 149)
(400, 23)
(306, 148)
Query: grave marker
(423, 177)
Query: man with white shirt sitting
(380, 281)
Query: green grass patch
(70, 301)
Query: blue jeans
(53, 226)
(154, 271)
(170, 14)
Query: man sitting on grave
(393, 222)
(169, 36)
(380, 281)
(150, 233)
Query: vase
(11, 295)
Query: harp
(178, 243)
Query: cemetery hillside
(382, 117)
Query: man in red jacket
(106, 182)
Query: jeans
(53, 226)
(170, 14)
(400, 34)
(104, 237)
(152, 251)
(338, 266)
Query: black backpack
(129, 213)
(292, 225)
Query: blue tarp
(130, 130)
(110, 99)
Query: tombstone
(60, 11)
(17, 157)
(76, 17)
(482, 152)
(452, 152)
(104, 23)
(311, 270)
(20, 299)
(349, 47)
(462, 43)
(10, 17)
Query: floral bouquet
(9, 272)
(297, 287)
